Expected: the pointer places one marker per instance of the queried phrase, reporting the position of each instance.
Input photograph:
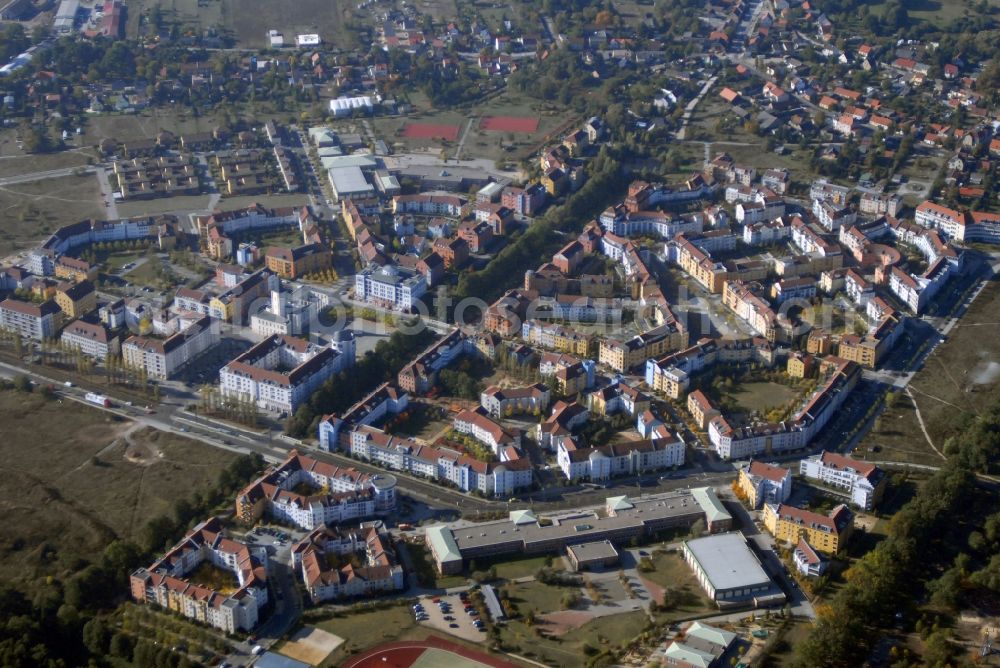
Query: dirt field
(74, 484)
(431, 131)
(29, 212)
(311, 645)
(509, 124)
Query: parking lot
(447, 613)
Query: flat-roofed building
(729, 571)
(620, 520)
(594, 556)
(395, 288)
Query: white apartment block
(390, 287)
(280, 373)
(619, 459)
(861, 481)
(162, 358)
(32, 321)
(91, 339)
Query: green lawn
(609, 632)
(677, 579)
(537, 596)
(366, 629)
(760, 396)
(511, 569)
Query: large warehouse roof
(727, 561)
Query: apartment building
(280, 373)
(390, 287)
(701, 408)
(618, 459)
(618, 398)
(479, 426)
(739, 442)
(32, 321)
(863, 483)
(377, 571)
(429, 204)
(166, 582)
(76, 299)
(162, 358)
(959, 225)
(764, 483)
(90, 338)
(623, 356)
(420, 375)
(309, 493)
(500, 402)
(556, 337)
(383, 400)
(808, 561)
(825, 533)
(298, 261)
(746, 300)
(497, 479)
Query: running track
(404, 654)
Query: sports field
(429, 653)
(523, 124)
(431, 131)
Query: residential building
(280, 373)
(298, 261)
(501, 402)
(863, 483)
(76, 299)
(808, 561)
(390, 287)
(32, 321)
(618, 459)
(309, 493)
(623, 356)
(90, 338)
(825, 533)
(167, 583)
(377, 572)
(764, 483)
(162, 358)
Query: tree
(22, 383)
(96, 636)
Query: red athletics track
(523, 124)
(405, 653)
(431, 131)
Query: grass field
(536, 596)
(29, 212)
(940, 13)
(959, 380)
(567, 649)
(74, 484)
(671, 573)
(247, 21)
(759, 396)
(18, 163)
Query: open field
(673, 576)
(248, 21)
(16, 162)
(74, 484)
(311, 645)
(536, 596)
(29, 212)
(566, 649)
(518, 124)
(145, 125)
(939, 13)
(959, 380)
(759, 396)
(430, 652)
